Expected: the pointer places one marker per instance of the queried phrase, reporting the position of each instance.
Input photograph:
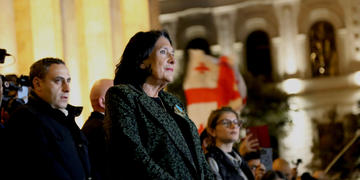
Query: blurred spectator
(1, 95)
(307, 176)
(225, 161)
(260, 171)
(253, 160)
(94, 131)
(319, 175)
(205, 140)
(273, 175)
(283, 166)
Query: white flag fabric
(211, 83)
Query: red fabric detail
(222, 94)
(226, 83)
(202, 68)
(201, 128)
(198, 95)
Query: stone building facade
(314, 54)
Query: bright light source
(357, 78)
(298, 140)
(292, 86)
(291, 64)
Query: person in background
(320, 175)
(257, 168)
(46, 143)
(223, 127)
(1, 95)
(253, 160)
(307, 176)
(204, 139)
(260, 171)
(94, 131)
(283, 166)
(273, 175)
(150, 133)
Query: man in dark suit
(46, 143)
(94, 131)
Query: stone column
(72, 55)
(95, 45)
(302, 46)
(24, 41)
(7, 37)
(46, 28)
(116, 31)
(170, 25)
(287, 18)
(278, 66)
(135, 17)
(154, 12)
(225, 24)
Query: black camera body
(3, 53)
(15, 92)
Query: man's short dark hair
(41, 67)
(252, 155)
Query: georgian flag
(211, 83)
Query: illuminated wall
(89, 35)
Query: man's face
(54, 87)
(253, 164)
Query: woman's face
(226, 131)
(161, 62)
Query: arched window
(258, 58)
(323, 55)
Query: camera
(3, 53)
(15, 93)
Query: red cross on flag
(211, 83)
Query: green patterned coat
(145, 140)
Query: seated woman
(223, 127)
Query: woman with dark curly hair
(150, 134)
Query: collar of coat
(36, 101)
(172, 104)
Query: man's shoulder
(24, 115)
(91, 124)
(95, 119)
(25, 109)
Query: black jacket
(227, 170)
(98, 150)
(46, 144)
(149, 140)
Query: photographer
(45, 142)
(1, 95)
(15, 93)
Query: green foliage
(266, 105)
